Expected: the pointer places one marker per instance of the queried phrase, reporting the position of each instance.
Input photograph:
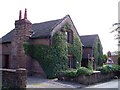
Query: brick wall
(12, 78)
(40, 41)
(115, 59)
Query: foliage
(54, 58)
(66, 27)
(90, 65)
(76, 49)
(106, 69)
(104, 58)
(77, 72)
(83, 71)
(98, 54)
(118, 58)
(115, 68)
(70, 73)
(117, 29)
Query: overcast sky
(89, 16)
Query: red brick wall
(41, 41)
(6, 48)
(31, 64)
(115, 59)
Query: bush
(106, 69)
(83, 71)
(70, 73)
(115, 68)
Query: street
(110, 84)
(34, 82)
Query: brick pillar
(21, 76)
(21, 35)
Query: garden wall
(94, 78)
(89, 79)
(13, 78)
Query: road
(111, 84)
(34, 82)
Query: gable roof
(41, 30)
(88, 40)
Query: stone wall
(94, 78)
(89, 79)
(12, 78)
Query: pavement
(36, 82)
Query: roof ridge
(47, 21)
(90, 35)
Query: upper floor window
(69, 35)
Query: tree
(117, 29)
(104, 58)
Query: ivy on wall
(98, 54)
(54, 58)
(76, 49)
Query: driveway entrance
(35, 82)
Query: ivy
(66, 27)
(54, 59)
(98, 54)
(76, 49)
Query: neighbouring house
(42, 48)
(112, 57)
(92, 50)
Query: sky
(88, 16)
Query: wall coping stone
(9, 70)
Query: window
(71, 61)
(69, 35)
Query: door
(6, 61)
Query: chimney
(25, 14)
(20, 15)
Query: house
(42, 35)
(113, 56)
(92, 50)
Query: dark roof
(44, 29)
(88, 40)
(41, 30)
(8, 37)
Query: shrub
(90, 67)
(83, 71)
(115, 68)
(70, 73)
(106, 69)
